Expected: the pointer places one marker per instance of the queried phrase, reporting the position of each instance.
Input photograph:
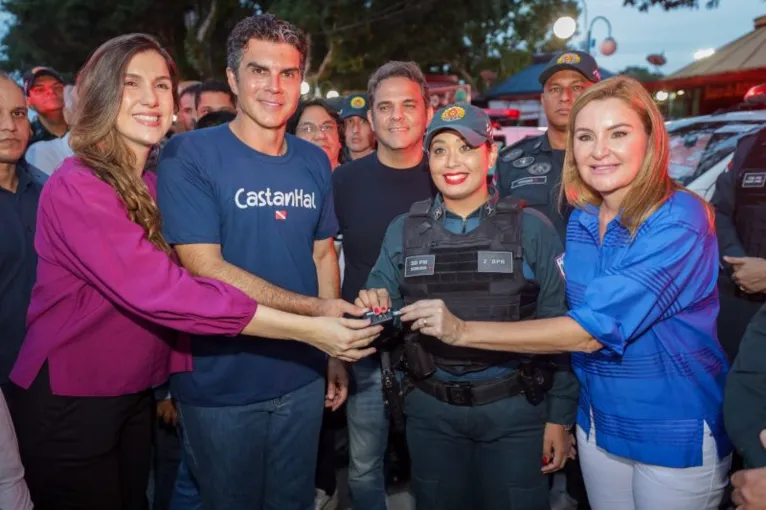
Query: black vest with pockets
(479, 276)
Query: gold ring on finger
(425, 322)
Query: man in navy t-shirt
(249, 205)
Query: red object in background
(280, 215)
(756, 95)
(657, 59)
(510, 113)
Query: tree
(645, 5)
(350, 38)
(642, 74)
(63, 33)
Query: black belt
(469, 393)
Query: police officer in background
(740, 211)
(478, 422)
(740, 219)
(360, 138)
(531, 168)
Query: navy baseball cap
(471, 122)
(578, 61)
(355, 105)
(34, 73)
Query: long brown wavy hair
(94, 138)
(652, 185)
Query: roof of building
(747, 52)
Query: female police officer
(477, 421)
(641, 266)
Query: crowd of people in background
(201, 283)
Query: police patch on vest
(754, 180)
(526, 181)
(523, 162)
(419, 265)
(560, 264)
(495, 262)
(515, 153)
(539, 168)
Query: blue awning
(525, 82)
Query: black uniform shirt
(530, 170)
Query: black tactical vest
(478, 275)
(750, 215)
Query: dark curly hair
(264, 27)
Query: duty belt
(469, 393)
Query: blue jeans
(368, 437)
(186, 494)
(259, 456)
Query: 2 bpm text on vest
(295, 198)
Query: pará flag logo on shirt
(560, 264)
(280, 214)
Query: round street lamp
(565, 27)
(305, 88)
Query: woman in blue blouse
(641, 265)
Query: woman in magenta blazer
(110, 299)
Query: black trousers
(166, 458)
(84, 453)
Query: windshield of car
(697, 148)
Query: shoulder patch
(523, 162)
(511, 155)
(539, 168)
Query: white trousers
(617, 483)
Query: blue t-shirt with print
(265, 212)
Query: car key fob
(380, 318)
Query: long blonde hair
(94, 138)
(652, 186)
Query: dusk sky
(678, 33)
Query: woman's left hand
(557, 447)
(431, 317)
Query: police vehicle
(702, 147)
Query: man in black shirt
(369, 193)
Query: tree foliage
(350, 38)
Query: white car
(702, 147)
